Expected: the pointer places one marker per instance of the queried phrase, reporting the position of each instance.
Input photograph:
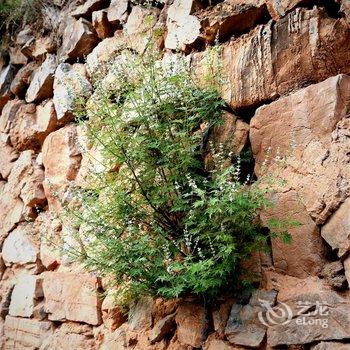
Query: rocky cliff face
(286, 64)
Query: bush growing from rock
(156, 220)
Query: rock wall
(286, 64)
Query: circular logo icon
(277, 315)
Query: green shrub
(156, 220)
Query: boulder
(7, 284)
(70, 85)
(315, 312)
(61, 159)
(89, 7)
(8, 114)
(24, 333)
(26, 180)
(117, 12)
(220, 316)
(231, 135)
(8, 156)
(162, 328)
(72, 297)
(32, 125)
(334, 274)
(336, 231)
(229, 18)
(100, 22)
(112, 315)
(41, 86)
(25, 296)
(182, 26)
(49, 228)
(115, 340)
(78, 41)
(140, 20)
(274, 59)
(19, 247)
(17, 57)
(304, 255)
(243, 326)
(309, 130)
(70, 335)
(11, 212)
(192, 324)
(279, 9)
(42, 47)
(140, 315)
(22, 79)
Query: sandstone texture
(73, 298)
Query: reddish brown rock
(140, 314)
(334, 274)
(115, 340)
(272, 60)
(192, 324)
(70, 336)
(78, 40)
(42, 47)
(41, 86)
(22, 333)
(309, 130)
(303, 256)
(229, 18)
(25, 296)
(8, 156)
(117, 12)
(162, 328)
(8, 114)
(22, 79)
(17, 57)
(61, 159)
(11, 212)
(72, 297)
(22, 192)
(100, 22)
(140, 20)
(279, 9)
(336, 231)
(306, 326)
(32, 125)
(220, 317)
(25, 180)
(89, 7)
(112, 315)
(231, 135)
